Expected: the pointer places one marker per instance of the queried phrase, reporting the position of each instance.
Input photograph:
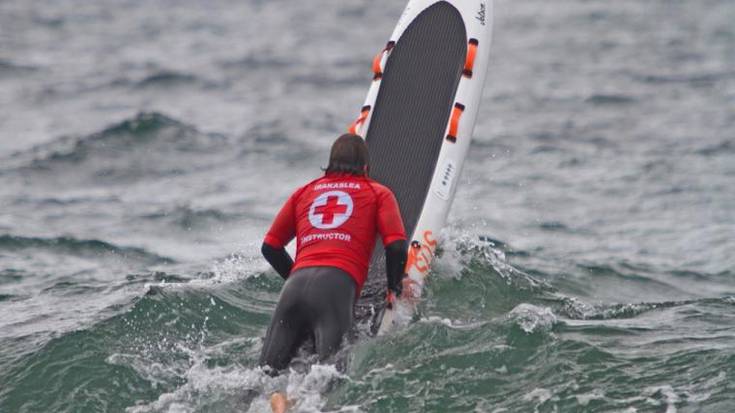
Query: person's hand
(396, 286)
(397, 290)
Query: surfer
(334, 219)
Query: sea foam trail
(244, 389)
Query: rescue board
(417, 120)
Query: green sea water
(587, 265)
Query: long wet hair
(349, 155)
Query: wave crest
(148, 145)
(84, 247)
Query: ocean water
(588, 264)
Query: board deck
(409, 121)
(413, 107)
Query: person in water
(334, 219)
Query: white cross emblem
(330, 210)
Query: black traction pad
(409, 119)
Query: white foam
(539, 395)
(437, 320)
(228, 385)
(244, 264)
(458, 241)
(585, 398)
(158, 374)
(308, 389)
(531, 318)
(205, 383)
(670, 396)
(451, 323)
(237, 267)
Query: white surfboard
(418, 119)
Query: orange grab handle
(413, 251)
(360, 120)
(377, 70)
(454, 122)
(469, 63)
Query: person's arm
(390, 227)
(395, 265)
(282, 231)
(278, 258)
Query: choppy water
(144, 147)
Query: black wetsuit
(316, 302)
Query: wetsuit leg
(289, 326)
(332, 300)
(314, 301)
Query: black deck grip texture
(410, 116)
(414, 104)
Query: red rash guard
(335, 219)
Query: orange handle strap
(469, 63)
(377, 70)
(411, 256)
(454, 122)
(360, 120)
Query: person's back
(335, 220)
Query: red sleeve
(283, 229)
(390, 224)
